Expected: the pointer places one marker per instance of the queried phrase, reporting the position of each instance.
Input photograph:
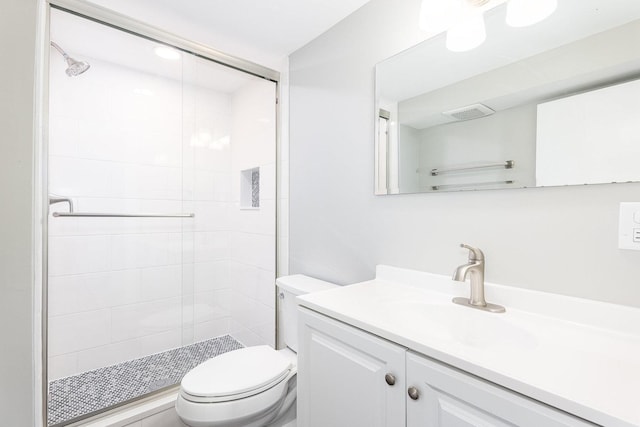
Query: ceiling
(103, 47)
(262, 31)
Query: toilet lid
(237, 372)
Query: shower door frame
(132, 26)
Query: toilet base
(288, 419)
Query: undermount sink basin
(450, 322)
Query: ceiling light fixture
(522, 13)
(167, 52)
(463, 20)
(469, 31)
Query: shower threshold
(79, 396)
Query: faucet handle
(475, 254)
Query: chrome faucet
(475, 269)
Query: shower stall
(161, 232)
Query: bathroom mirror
(556, 103)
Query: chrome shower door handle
(54, 198)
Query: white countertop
(577, 355)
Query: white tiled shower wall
(253, 233)
(126, 141)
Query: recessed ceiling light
(167, 52)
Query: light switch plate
(629, 226)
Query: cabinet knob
(390, 379)
(413, 393)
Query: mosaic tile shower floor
(93, 391)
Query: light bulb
(522, 13)
(468, 33)
(437, 16)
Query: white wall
(560, 240)
(253, 231)
(18, 30)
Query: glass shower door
(116, 270)
(229, 134)
(161, 230)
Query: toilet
(252, 386)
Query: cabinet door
(341, 376)
(448, 397)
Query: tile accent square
(255, 188)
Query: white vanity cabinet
(341, 376)
(447, 397)
(351, 378)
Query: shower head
(74, 68)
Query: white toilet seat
(237, 374)
(249, 393)
(220, 392)
(240, 411)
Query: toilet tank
(289, 287)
